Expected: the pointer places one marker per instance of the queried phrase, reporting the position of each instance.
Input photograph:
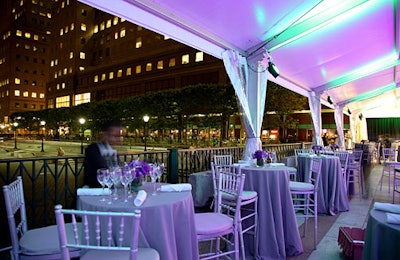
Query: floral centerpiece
(260, 155)
(334, 147)
(317, 149)
(141, 170)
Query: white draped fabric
(314, 102)
(353, 131)
(249, 79)
(339, 125)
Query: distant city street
(32, 148)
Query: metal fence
(54, 180)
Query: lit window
(71, 55)
(72, 26)
(61, 31)
(82, 55)
(122, 33)
(34, 94)
(81, 98)
(103, 77)
(27, 35)
(18, 33)
(26, 94)
(62, 101)
(122, 20)
(83, 27)
(185, 59)
(66, 29)
(138, 69)
(55, 75)
(108, 25)
(102, 26)
(116, 35)
(128, 71)
(41, 95)
(160, 65)
(96, 29)
(119, 73)
(139, 28)
(138, 42)
(111, 75)
(171, 62)
(63, 85)
(81, 68)
(36, 37)
(115, 22)
(56, 62)
(148, 66)
(65, 71)
(70, 69)
(17, 93)
(17, 81)
(199, 56)
(96, 78)
(166, 37)
(58, 86)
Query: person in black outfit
(101, 154)
(325, 139)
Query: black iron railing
(54, 180)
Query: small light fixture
(273, 69)
(349, 111)
(330, 100)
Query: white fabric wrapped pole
(314, 102)
(339, 125)
(250, 86)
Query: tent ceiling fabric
(348, 50)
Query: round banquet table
(278, 234)
(381, 238)
(167, 221)
(332, 194)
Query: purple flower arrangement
(141, 168)
(317, 148)
(334, 147)
(260, 154)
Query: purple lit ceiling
(348, 50)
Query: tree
(280, 104)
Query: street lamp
(15, 124)
(146, 120)
(82, 121)
(43, 123)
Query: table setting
(382, 234)
(167, 222)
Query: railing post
(172, 174)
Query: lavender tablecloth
(381, 238)
(167, 222)
(332, 195)
(278, 234)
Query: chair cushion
(210, 223)
(143, 253)
(43, 241)
(246, 195)
(300, 186)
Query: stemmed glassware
(102, 175)
(126, 178)
(109, 183)
(154, 175)
(115, 175)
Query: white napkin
(388, 207)
(93, 191)
(140, 198)
(277, 164)
(393, 218)
(176, 187)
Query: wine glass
(109, 183)
(102, 175)
(115, 175)
(154, 176)
(126, 178)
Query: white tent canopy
(348, 50)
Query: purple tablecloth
(332, 196)
(167, 222)
(278, 234)
(381, 238)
